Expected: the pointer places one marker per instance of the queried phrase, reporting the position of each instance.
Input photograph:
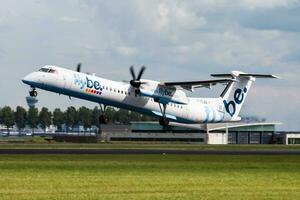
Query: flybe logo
(90, 86)
(238, 98)
(163, 92)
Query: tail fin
(236, 92)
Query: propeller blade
(79, 67)
(141, 73)
(132, 72)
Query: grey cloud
(283, 19)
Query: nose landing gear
(33, 92)
(31, 99)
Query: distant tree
(134, 116)
(111, 114)
(85, 117)
(32, 118)
(147, 118)
(20, 118)
(95, 117)
(45, 118)
(71, 117)
(123, 116)
(58, 118)
(7, 117)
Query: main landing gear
(103, 119)
(163, 121)
(33, 92)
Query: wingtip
(277, 77)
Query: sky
(176, 40)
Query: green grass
(158, 177)
(178, 146)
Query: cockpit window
(47, 70)
(44, 70)
(52, 71)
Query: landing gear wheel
(137, 92)
(33, 93)
(103, 119)
(164, 122)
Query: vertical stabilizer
(235, 93)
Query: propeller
(78, 67)
(136, 80)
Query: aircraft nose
(28, 79)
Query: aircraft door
(66, 80)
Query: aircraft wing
(191, 85)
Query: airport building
(289, 138)
(223, 133)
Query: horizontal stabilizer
(259, 75)
(242, 74)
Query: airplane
(166, 101)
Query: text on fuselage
(90, 86)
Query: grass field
(179, 146)
(149, 177)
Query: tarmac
(149, 151)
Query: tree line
(72, 117)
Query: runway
(148, 151)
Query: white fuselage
(122, 95)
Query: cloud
(68, 19)
(266, 4)
(126, 51)
(177, 16)
(277, 103)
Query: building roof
(242, 126)
(239, 126)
